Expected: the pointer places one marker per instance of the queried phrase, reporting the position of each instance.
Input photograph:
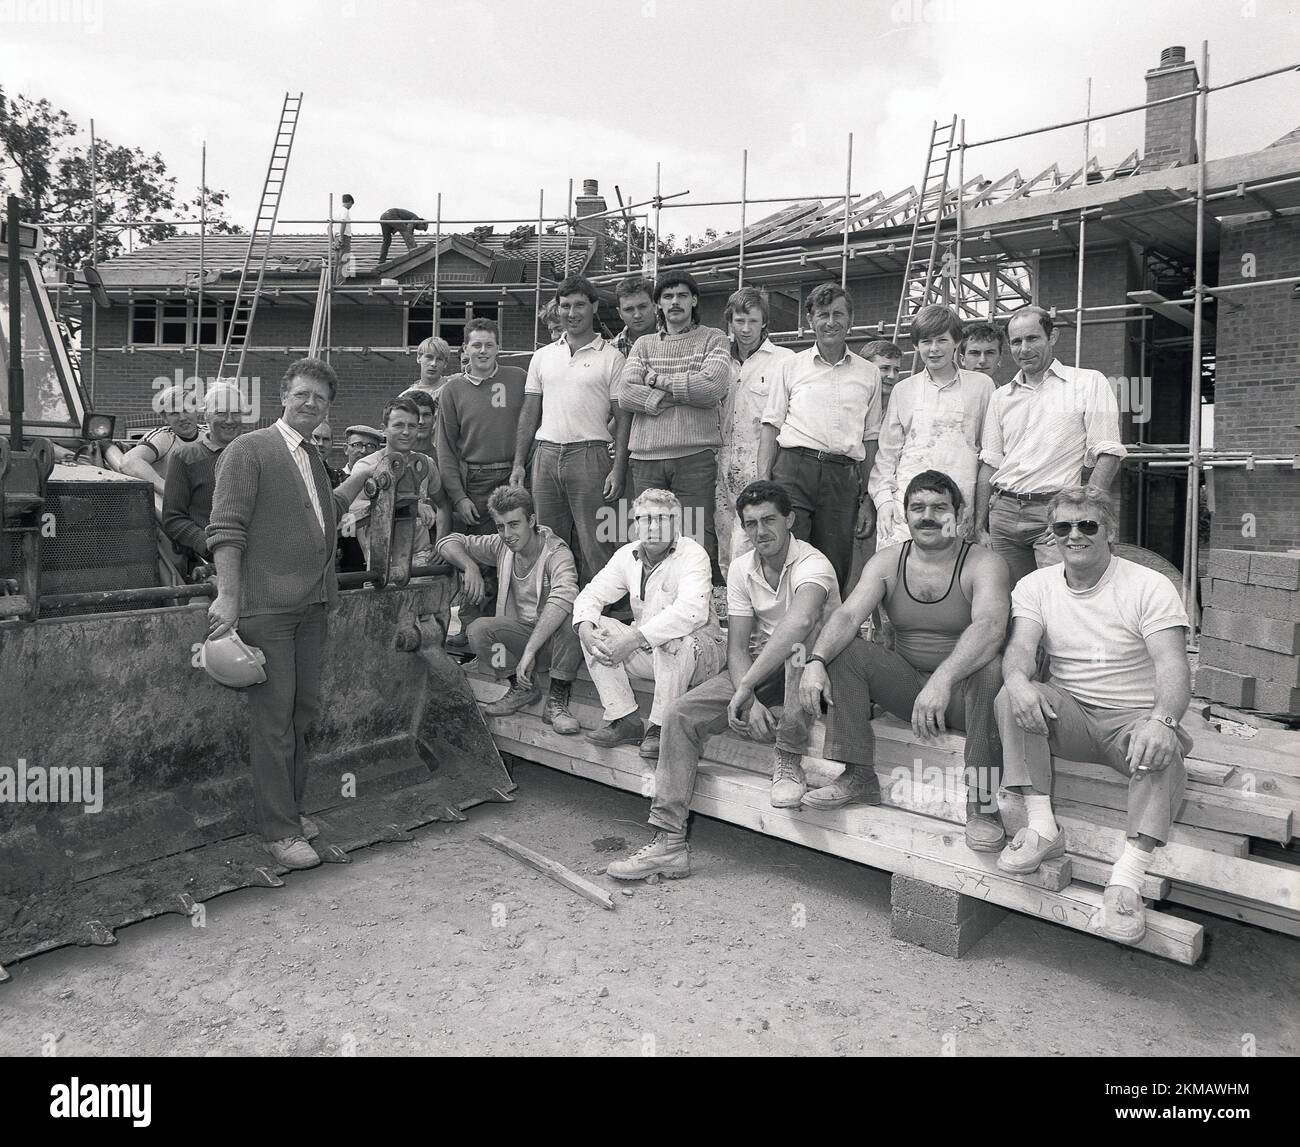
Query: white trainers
(292, 852)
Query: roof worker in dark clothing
(949, 602)
(399, 221)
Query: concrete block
(1272, 697)
(1231, 565)
(925, 899)
(1269, 601)
(945, 939)
(1264, 664)
(1219, 654)
(1230, 688)
(1280, 571)
(1224, 624)
(1227, 595)
(1250, 629)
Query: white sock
(1039, 810)
(1130, 867)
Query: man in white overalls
(933, 422)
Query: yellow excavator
(124, 789)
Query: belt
(822, 455)
(490, 465)
(573, 445)
(1046, 496)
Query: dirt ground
(446, 946)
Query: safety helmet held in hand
(231, 662)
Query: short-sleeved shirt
(821, 405)
(750, 595)
(162, 442)
(427, 489)
(577, 390)
(1096, 638)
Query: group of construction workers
(590, 505)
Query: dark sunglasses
(1087, 529)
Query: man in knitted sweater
(271, 535)
(674, 384)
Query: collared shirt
(298, 450)
(671, 600)
(742, 414)
(578, 390)
(931, 425)
(1039, 438)
(750, 595)
(820, 405)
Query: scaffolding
(989, 273)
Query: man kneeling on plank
(948, 603)
(778, 595)
(675, 639)
(1118, 686)
(537, 583)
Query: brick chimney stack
(1171, 128)
(591, 202)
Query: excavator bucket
(124, 786)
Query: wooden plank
(1231, 908)
(732, 795)
(556, 871)
(1097, 873)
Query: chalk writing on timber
(970, 885)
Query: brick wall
(1171, 128)
(1257, 387)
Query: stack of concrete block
(1250, 631)
(938, 918)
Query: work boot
(1028, 850)
(650, 743)
(310, 829)
(457, 641)
(516, 697)
(788, 781)
(667, 855)
(856, 783)
(292, 852)
(623, 731)
(1123, 915)
(984, 832)
(556, 714)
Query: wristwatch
(1169, 721)
(645, 646)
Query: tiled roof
(171, 261)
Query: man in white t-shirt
(778, 596)
(1115, 636)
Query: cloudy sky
(490, 101)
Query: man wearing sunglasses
(1041, 431)
(1115, 635)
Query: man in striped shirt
(674, 384)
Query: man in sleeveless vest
(948, 602)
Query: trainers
(516, 698)
(310, 829)
(1123, 915)
(1028, 850)
(857, 783)
(556, 714)
(667, 855)
(984, 831)
(788, 781)
(650, 743)
(624, 731)
(292, 852)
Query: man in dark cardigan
(271, 533)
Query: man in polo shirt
(148, 458)
(820, 428)
(636, 307)
(1115, 635)
(981, 349)
(674, 638)
(570, 395)
(934, 422)
(673, 385)
(778, 596)
(754, 360)
(1042, 430)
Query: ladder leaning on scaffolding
(239, 328)
(923, 282)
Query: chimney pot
(1173, 57)
(590, 187)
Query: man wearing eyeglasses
(1041, 431)
(1118, 685)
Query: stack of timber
(1250, 632)
(1228, 854)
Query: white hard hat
(232, 662)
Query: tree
(616, 248)
(55, 179)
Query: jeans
(703, 711)
(281, 712)
(479, 483)
(1018, 531)
(694, 479)
(569, 491)
(498, 642)
(825, 497)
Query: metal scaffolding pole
(1191, 551)
(658, 202)
(744, 190)
(568, 232)
(848, 195)
(537, 296)
(203, 238)
(1083, 230)
(94, 252)
(437, 253)
(961, 217)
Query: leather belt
(1035, 497)
(822, 455)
